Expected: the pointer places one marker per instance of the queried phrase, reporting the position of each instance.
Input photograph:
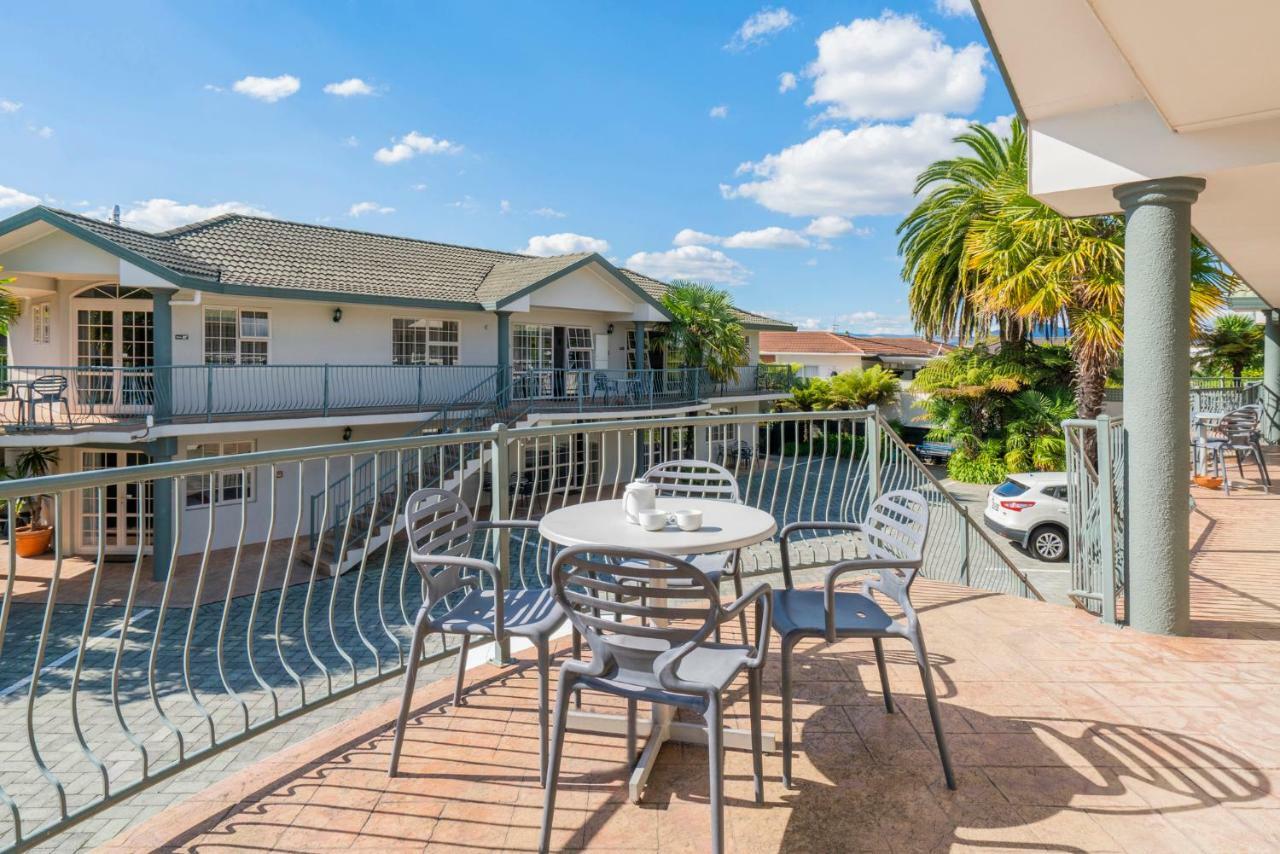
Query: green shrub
(986, 465)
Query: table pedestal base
(656, 734)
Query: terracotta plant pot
(32, 542)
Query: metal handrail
(201, 669)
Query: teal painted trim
(162, 352)
(504, 357)
(564, 271)
(1250, 302)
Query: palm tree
(960, 191)
(704, 331)
(873, 386)
(1023, 265)
(1234, 340)
(9, 307)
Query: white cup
(653, 520)
(689, 520)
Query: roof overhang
(1116, 91)
(647, 308)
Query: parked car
(934, 453)
(1031, 510)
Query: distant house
(822, 354)
(242, 334)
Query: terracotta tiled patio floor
(1067, 736)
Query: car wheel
(1049, 544)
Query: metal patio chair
(48, 390)
(647, 618)
(1236, 432)
(894, 533)
(440, 530)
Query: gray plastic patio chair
(894, 533)
(440, 530)
(647, 618)
(1237, 432)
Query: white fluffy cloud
(349, 87)
(760, 27)
(875, 323)
(719, 111)
(690, 237)
(7, 106)
(699, 263)
(786, 82)
(893, 67)
(867, 170)
(362, 208)
(829, 226)
(772, 237)
(269, 89)
(565, 243)
(164, 214)
(549, 213)
(413, 144)
(954, 8)
(11, 198)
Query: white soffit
(1202, 64)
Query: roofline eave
(595, 257)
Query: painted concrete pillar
(162, 353)
(504, 357)
(161, 451)
(1271, 377)
(1157, 409)
(642, 351)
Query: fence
(1096, 480)
(110, 682)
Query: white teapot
(637, 497)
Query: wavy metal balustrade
(110, 683)
(1096, 495)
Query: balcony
(44, 399)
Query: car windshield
(1010, 488)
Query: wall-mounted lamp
(346, 434)
(610, 329)
(337, 315)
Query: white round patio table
(725, 526)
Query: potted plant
(33, 538)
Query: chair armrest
(847, 566)
(788, 530)
(481, 566)
(507, 523)
(762, 596)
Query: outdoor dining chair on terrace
(49, 390)
(1236, 432)
(893, 533)
(440, 530)
(647, 618)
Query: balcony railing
(42, 398)
(101, 698)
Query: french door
(126, 508)
(115, 352)
(533, 360)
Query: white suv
(1031, 510)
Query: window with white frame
(578, 347)
(40, 323)
(237, 336)
(416, 341)
(231, 485)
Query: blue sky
(668, 136)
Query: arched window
(113, 291)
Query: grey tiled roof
(276, 255)
(150, 246)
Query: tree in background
(9, 307)
(979, 251)
(996, 406)
(704, 331)
(873, 386)
(1233, 343)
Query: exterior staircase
(377, 486)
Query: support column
(162, 354)
(1157, 410)
(161, 451)
(504, 357)
(642, 352)
(1271, 377)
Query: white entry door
(126, 508)
(115, 350)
